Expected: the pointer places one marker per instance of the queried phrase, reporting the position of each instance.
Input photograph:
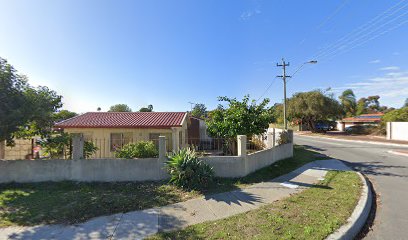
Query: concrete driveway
(387, 172)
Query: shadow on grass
(72, 202)
(301, 157)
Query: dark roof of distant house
(198, 118)
(124, 120)
(371, 117)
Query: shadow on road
(376, 168)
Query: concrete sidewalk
(140, 224)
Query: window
(118, 140)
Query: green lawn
(71, 202)
(311, 214)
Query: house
(363, 119)
(112, 130)
(22, 149)
(197, 132)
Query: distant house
(197, 132)
(363, 119)
(22, 149)
(111, 130)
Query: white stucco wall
(148, 169)
(397, 131)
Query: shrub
(55, 144)
(361, 130)
(89, 149)
(283, 138)
(142, 149)
(187, 171)
(256, 143)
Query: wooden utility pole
(284, 76)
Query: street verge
(310, 214)
(359, 217)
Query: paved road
(387, 172)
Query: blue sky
(168, 53)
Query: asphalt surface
(388, 174)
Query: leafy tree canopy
(277, 113)
(313, 106)
(25, 111)
(149, 108)
(348, 102)
(199, 110)
(371, 104)
(397, 115)
(239, 118)
(406, 103)
(120, 108)
(64, 115)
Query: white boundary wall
(397, 131)
(147, 169)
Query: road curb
(359, 216)
(359, 141)
(398, 153)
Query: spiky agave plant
(188, 171)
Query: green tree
(313, 106)
(373, 104)
(63, 115)
(397, 115)
(42, 105)
(199, 110)
(362, 106)
(120, 108)
(277, 113)
(348, 102)
(239, 118)
(149, 108)
(406, 103)
(25, 111)
(12, 100)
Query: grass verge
(71, 202)
(311, 214)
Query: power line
(324, 22)
(338, 9)
(361, 37)
(370, 39)
(356, 33)
(370, 35)
(267, 89)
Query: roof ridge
(125, 120)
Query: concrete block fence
(145, 169)
(397, 131)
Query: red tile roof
(371, 117)
(124, 120)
